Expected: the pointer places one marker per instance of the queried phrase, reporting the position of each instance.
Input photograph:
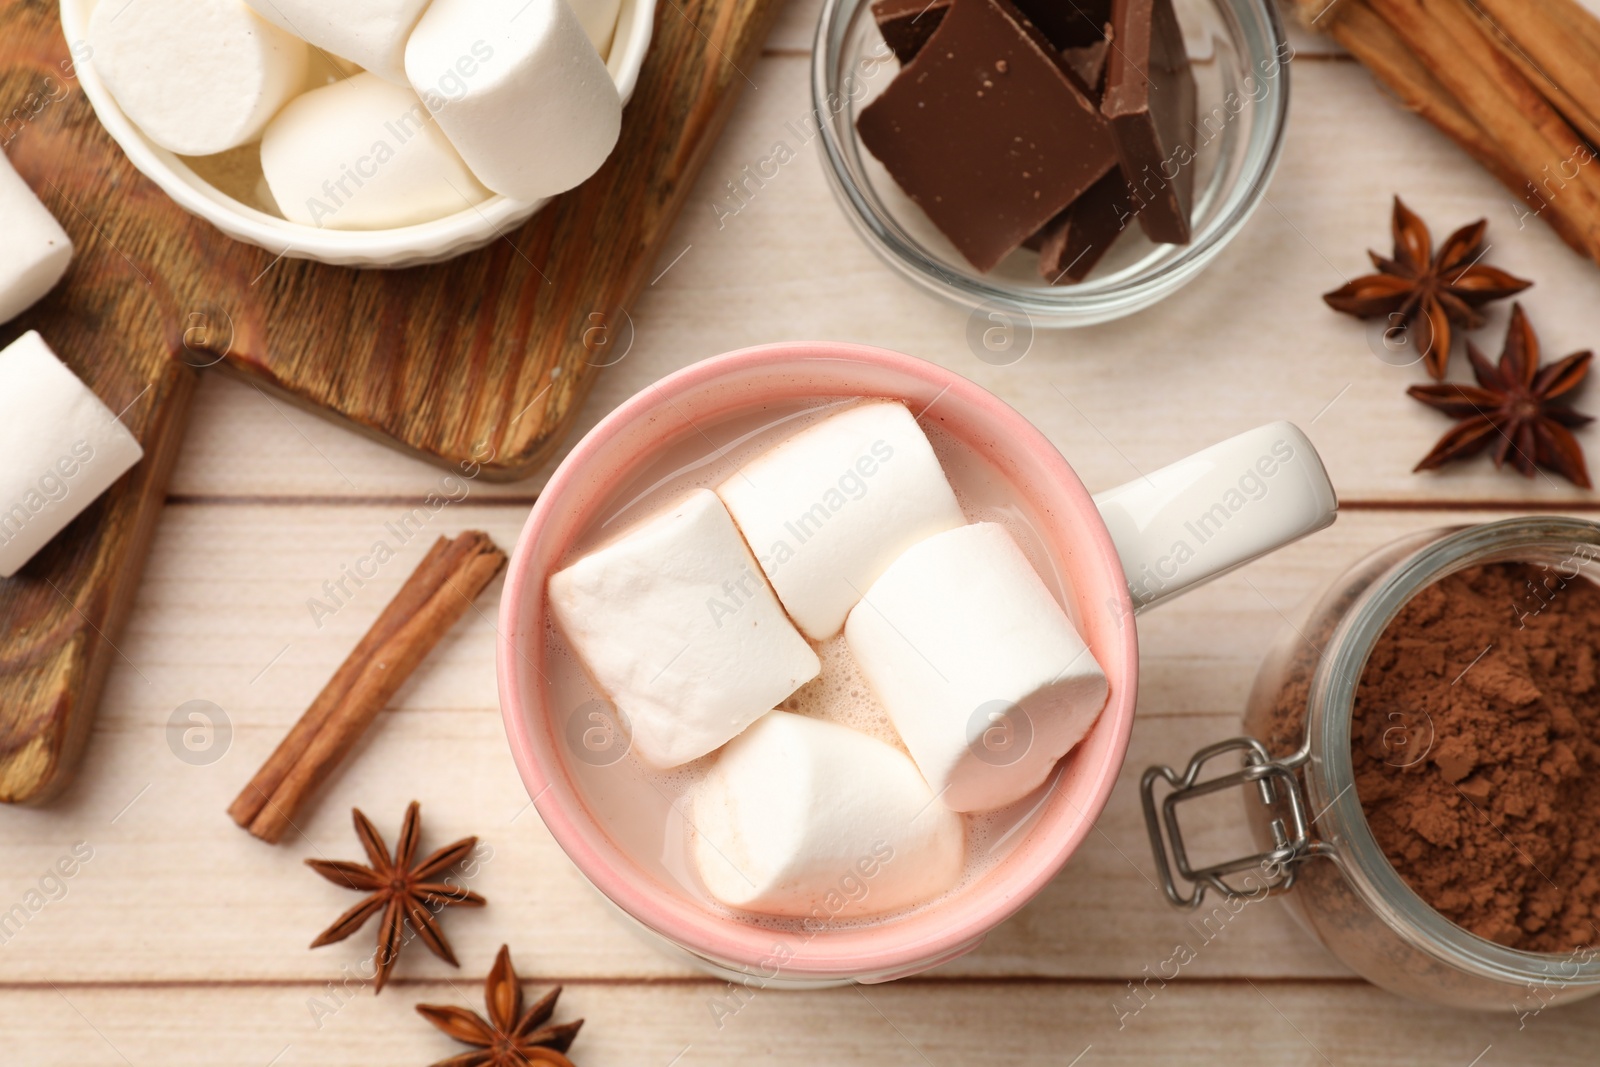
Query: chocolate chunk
(1069, 23)
(1150, 99)
(1075, 240)
(906, 25)
(988, 131)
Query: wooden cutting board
(491, 353)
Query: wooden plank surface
(910, 1024)
(183, 941)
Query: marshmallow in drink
(677, 627)
(369, 33)
(829, 509)
(197, 76)
(803, 817)
(363, 154)
(34, 249)
(538, 113)
(983, 673)
(60, 448)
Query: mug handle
(1220, 508)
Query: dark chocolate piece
(1075, 240)
(1069, 23)
(906, 25)
(988, 131)
(1150, 99)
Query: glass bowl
(1240, 58)
(1304, 806)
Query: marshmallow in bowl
(802, 817)
(369, 33)
(599, 18)
(60, 448)
(828, 509)
(538, 113)
(363, 154)
(677, 627)
(34, 249)
(984, 675)
(197, 76)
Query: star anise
(404, 892)
(1423, 294)
(1517, 408)
(511, 1036)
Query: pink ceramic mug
(1119, 552)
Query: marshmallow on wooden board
(676, 626)
(60, 448)
(34, 249)
(197, 76)
(363, 154)
(803, 817)
(538, 112)
(369, 33)
(983, 673)
(828, 509)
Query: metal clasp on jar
(1277, 783)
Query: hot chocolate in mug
(1104, 557)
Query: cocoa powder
(1476, 741)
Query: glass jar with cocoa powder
(1422, 769)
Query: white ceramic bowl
(406, 246)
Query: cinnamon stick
(1535, 140)
(412, 595)
(1579, 23)
(1377, 47)
(1546, 41)
(1449, 39)
(436, 595)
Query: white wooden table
(183, 941)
